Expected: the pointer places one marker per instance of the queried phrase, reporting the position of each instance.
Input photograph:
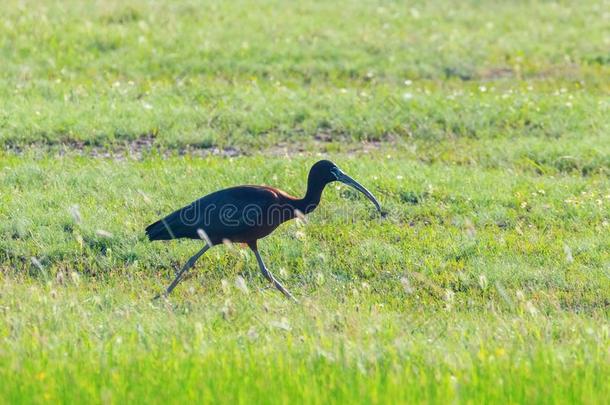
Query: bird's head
(326, 172)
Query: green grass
(481, 284)
(256, 73)
(483, 129)
(77, 343)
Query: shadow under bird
(245, 214)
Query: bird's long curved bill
(344, 178)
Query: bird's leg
(190, 263)
(268, 274)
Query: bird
(245, 214)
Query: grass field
(483, 128)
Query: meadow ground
(483, 129)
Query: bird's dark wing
(233, 214)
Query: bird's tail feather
(160, 230)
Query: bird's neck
(312, 197)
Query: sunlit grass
(245, 74)
(480, 284)
(91, 341)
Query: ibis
(245, 214)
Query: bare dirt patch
(146, 145)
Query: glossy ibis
(245, 214)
